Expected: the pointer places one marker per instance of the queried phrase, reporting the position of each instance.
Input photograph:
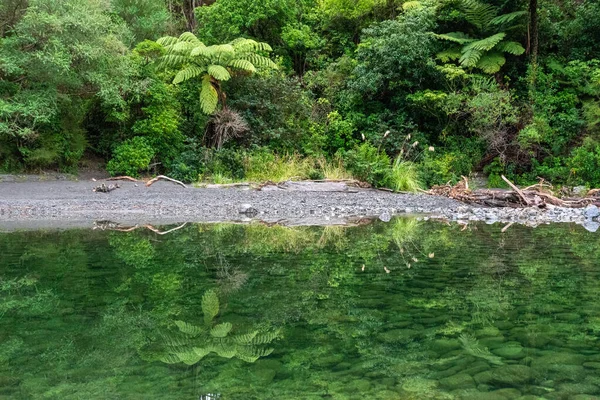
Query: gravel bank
(29, 204)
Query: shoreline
(34, 203)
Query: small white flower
(386, 133)
(431, 148)
(363, 136)
(415, 144)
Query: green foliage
(403, 176)
(131, 157)
(486, 50)
(212, 64)
(368, 164)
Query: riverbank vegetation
(397, 94)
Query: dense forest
(398, 94)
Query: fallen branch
(516, 189)
(166, 178)
(103, 188)
(153, 229)
(122, 178)
(532, 196)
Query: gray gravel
(27, 204)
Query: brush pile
(539, 195)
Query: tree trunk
(533, 40)
(189, 7)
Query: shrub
(366, 163)
(265, 166)
(131, 157)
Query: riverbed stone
(578, 388)
(506, 375)
(591, 226)
(482, 396)
(443, 346)
(458, 381)
(510, 350)
(591, 211)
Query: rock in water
(591, 211)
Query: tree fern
(210, 305)
(485, 53)
(212, 64)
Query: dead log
(166, 178)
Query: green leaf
(456, 37)
(227, 352)
(221, 330)
(167, 40)
(513, 48)
(485, 44)
(506, 18)
(188, 329)
(245, 338)
(450, 54)
(210, 300)
(190, 38)
(470, 58)
(219, 72)
(242, 64)
(260, 61)
(170, 359)
(491, 63)
(477, 13)
(265, 338)
(202, 51)
(188, 73)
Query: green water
(398, 310)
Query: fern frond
(170, 359)
(472, 347)
(182, 47)
(167, 40)
(221, 50)
(190, 38)
(189, 357)
(219, 73)
(450, 54)
(486, 44)
(477, 13)
(188, 73)
(513, 48)
(260, 61)
(208, 101)
(188, 329)
(456, 37)
(245, 338)
(262, 352)
(506, 18)
(221, 330)
(176, 341)
(470, 58)
(244, 45)
(227, 352)
(172, 60)
(247, 357)
(202, 351)
(265, 338)
(244, 65)
(202, 51)
(491, 63)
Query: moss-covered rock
(458, 381)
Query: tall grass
(403, 176)
(263, 166)
(333, 169)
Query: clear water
(398, 310)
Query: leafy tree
(486, 47)
(212, 64)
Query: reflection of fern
(472, 346)
(192, 343)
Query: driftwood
(166, 178)
(538, 195)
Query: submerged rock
(591, 211)
(458, 381)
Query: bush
(266, 166)
(366, 163)
(131, 157)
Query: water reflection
(406, 309)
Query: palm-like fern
(212, 64)
(485, 52)
(192, 343)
